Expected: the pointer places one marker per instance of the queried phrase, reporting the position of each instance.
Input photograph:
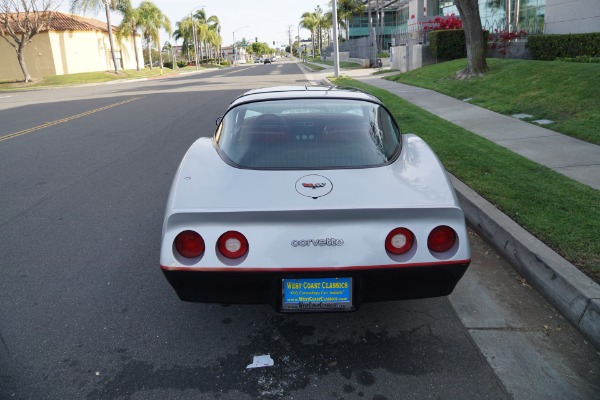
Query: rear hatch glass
(308, 134)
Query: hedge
(450, 44)
(551, 47)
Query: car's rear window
(308, 133)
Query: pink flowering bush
(499, 40)
(446, 23)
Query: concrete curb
(561, 283)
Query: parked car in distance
(267, 61)
(257, 61)
(311, 199)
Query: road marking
(61, 121)
(5, 97)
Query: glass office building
(401, 15)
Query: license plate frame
(329, 294)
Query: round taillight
(189, 244)
(399, 241)
(232, 244)
(441, 239)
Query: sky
(267, 20)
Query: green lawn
(559, 211)
(565, 92)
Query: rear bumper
(370, 285)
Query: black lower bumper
(265, 287)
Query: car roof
(303, 92)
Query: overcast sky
(269, 20)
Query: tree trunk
(110, 38)
(21, 58)
(135, 49)
(149, 47)
(476, 62)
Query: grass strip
(314, 67)
(561, 212)
(564, 92)
(343, 64)
(90, 77)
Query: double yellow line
(61, 121)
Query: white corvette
(310, 199)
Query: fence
(363, 47)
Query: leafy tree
(96, 5)
(20, 21)
(152, 20)
(260, 49)
(476, 46)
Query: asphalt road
(85, 311)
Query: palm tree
(348, 8)
(128, 26)
(310, 22)
(328, 24)
(184, 31)
(215, 26)
(96, 5)
(152, 20)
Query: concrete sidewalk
(568, 289)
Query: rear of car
(311, 202)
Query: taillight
(189, 244)
(232, 244)
(441, 239)
(399, 241)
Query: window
(308, 134)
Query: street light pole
(336, 53)
(194, 33)
(233, 44)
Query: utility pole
(290, 41)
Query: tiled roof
(71, 22)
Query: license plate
(317, 294)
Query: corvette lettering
(314, 185)
(317, 242)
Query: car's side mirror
(219, 120)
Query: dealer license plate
(317, 294)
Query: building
(533, 16)
(70, 44)
(234, 56)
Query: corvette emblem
(314, 186)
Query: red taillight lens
(399, 241)
(232, 244)
(441, 239)
(189, 244)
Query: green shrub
(383, 54)
(181, 64)
(450, 44)
(447, 44)
(225, 63)
(551, 47)
(168, 64)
